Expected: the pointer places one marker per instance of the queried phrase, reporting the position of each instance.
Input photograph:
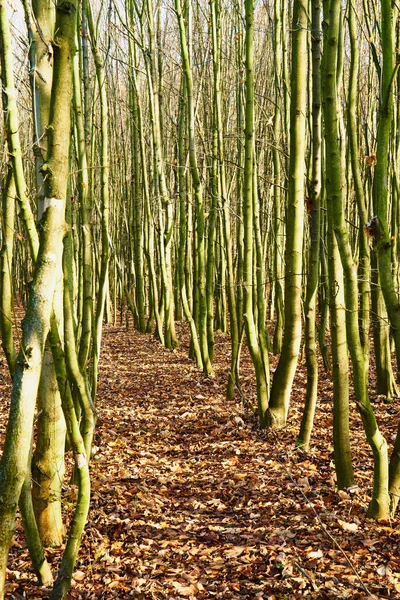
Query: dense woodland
(234, 166)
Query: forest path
(191, 500)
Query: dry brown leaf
(234, 552)
(348, 526)
(315, 554)
(183, 590)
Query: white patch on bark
(10, 93)
(56, 202)
(80, 460)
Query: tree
(39, 318)
(283, 377)
(310, 307)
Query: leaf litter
(191, 500)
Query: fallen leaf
(315, 554)
(234, 552)
(347, 526)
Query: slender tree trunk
(104, 187)
(226, 204)
(138, 211)
(240, 123)
(48, 456)
(364, 262)
(14, 466)
(34, 543)
(304, 436)
(183, 223)
(6, 270)
(198, 194)
(149, 224)
(379, 227)
(385, 380)
(284, 374)
(261, 369)
(379, 505)
(86, 241)
(277, 151)
(165, 212)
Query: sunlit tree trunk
(310, 305)
(183, 223)
(154, 312)
(15, 466)
(85, 311)
(102, 288)
(164, 218)
(378, 225)
(48, 455)
(6, 272)
(278, 230)
(226, 203)
(380, 192)
(355, 158)
(385, 380)
(284, 374)
(239, 238)
(261, 369)
(198, 195)
(138, 212)
(31, 531)
(339, 350)
(379, 505)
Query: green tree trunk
(277, 151)
(379, 227)
(385, 380)
(261, 369)
(104, 187)
(86, 267)
(310, 304)
(284, 374)
(138, 208)
(165, 212)
(183, 223)
(379, 505)
(48, 456)
(32, 536)
(364, 261)
(149, 224)
(14, 466)
(6, 272)
(240, 124)
(198, 195)
(226, 203)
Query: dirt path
(191, 500)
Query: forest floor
(191, 500)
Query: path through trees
(188, 499)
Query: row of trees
(221, 163)
(49, 370)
